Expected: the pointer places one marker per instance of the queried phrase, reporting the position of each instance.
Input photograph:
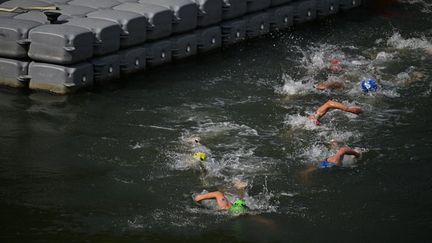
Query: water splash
(397, 41)
(384, 56)
(425, 6)
(292, 87)
(296, 121)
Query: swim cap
(200, 156)
(238, 207)
(335, 61)
(369, 85)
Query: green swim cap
(200, 156)
(238, 207)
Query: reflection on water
(118, 161)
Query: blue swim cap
(369, 85)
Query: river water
(114, 164)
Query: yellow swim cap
(200, 156)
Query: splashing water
(297, 121)
(317, 58)
(384, 56)
(426, 7)
(397, 41)
(292, 87)
(231, 153)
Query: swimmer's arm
(331, 104)
(338, 157)
(349, 151)
(330, 85)
(210, 195)
(323, 109)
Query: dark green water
(113, 165)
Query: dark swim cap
(369, 85)
(238, 207)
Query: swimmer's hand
(359, 152)
(313, 119)
(331, 85)
(198, 198)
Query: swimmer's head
(335, 61)
(369, 85)
(194, 140)
(201, 156)
(238, 207)
(335, 65)
(335, 68)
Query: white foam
(314, 153)
(288, 194)
(218, 128)
(297, 121)
(428, 91)
(341, 137)
(390, 93)
(125, 181)
(182, 154)
(135, 223)
(425, 7)
(231, 153)
(137, 146)
(261, 201)
(397, 41)
(384, 56)
(292, 87)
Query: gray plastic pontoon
(14, 40)
(185, 13)
(159, 18)
(14, 73)
(106, 34)
(60, 44)
(60, 79)
(132, 25)
(65, 45)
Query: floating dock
(62, 46)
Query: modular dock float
(62, 46)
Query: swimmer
(322, 110)
(330, 85)
(200, 151)
(366, 86)
(335, 66)
(201, 156)
(332, 161)
(194, 141)
(429, 50)
(336, 160)
(238, 207)
(369, 86)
